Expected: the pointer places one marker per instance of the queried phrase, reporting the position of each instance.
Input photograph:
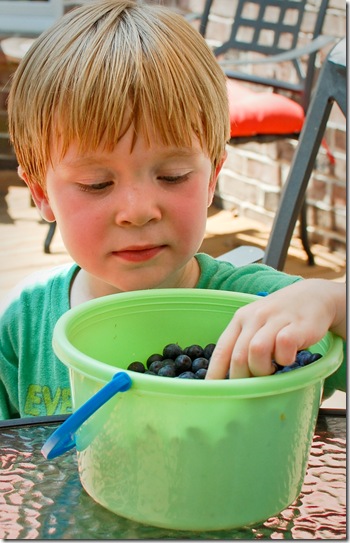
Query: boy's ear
(39, 196)
(214, 178)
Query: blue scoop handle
(63, 439)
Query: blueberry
(277, 366)
(201, 373)
(167, 371)
(304, 358)
(156, 365)
(208, 350)
(172, 351)
(149, 372)
(153, 358)
(314, 357)
(285, 369)
(182, 363)
(186, 375)
(136, 366)
(194, 351)
(199, 363)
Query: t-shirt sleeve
(9, 361)
(33, 381)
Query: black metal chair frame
(260, 52)
(330, 89)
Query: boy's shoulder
(250, 278)
(40, 283)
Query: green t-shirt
(33, 381)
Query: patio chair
(267, 33)
(330, 88)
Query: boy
(118, 116)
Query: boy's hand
(277, 326)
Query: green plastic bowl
(186, 454)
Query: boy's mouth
(139, 254)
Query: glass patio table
(42, 499)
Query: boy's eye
(95, 187)
(174, 178)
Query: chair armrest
(241, 256)
(293, 54)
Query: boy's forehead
(77, 156)
(130, 136)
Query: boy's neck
(84, 287)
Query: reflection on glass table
(41, 499)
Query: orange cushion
(253, 113)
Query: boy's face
(131, 220)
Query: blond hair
(109, 65)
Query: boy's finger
(239, 368)
(262, 350)
(288, 342)
(221, 358)
(219, 363)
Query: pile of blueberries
(189, 363)
(193, 361)
(303, 358)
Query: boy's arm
(338, 291)
(277, 326)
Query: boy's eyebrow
(79, 161)
(182, 151)
(176, 152)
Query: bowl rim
(243, 388)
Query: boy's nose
(137, 207)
